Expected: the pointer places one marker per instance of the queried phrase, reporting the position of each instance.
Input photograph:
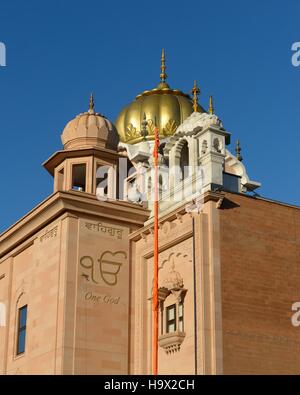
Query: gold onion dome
(90, 129)
(162, 106)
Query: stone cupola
(90, 129)
(89, 161)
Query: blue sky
(60, 51)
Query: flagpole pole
(155, 258)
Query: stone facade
(73, 273)
(260, 250)
(82, 262)
(86, 276)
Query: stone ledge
(171, 342)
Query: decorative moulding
(171, 342)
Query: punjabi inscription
(49, 234)
(109, 230)
(108, 266)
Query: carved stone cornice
(171, 342)
(74, 202)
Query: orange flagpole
(155, 258)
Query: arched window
(21, 329)
(184, 160)
(171, 308)
(171, 305)
(79, 177)
(204, 147)
(104, 181)
(21, 323)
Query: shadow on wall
(227, 204)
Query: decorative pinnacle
(144, 131)
(238, 151)
(91, 106)
(211, 109)
(163, 75)
(195, 91)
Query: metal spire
(163, 75)
(211, 109)
(91, 106)
(195, 91)
(238, 151)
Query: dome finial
(211, 109)
(163, 75)
(92, 104)
(195, 91)
(238, 151)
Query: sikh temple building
(76, 272)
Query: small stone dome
(90, 129)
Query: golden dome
(90, 129)
(163, 106)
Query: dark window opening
(79, 177)
(184, 160)
(149, 186)
(102, 180)
(22, 319)
(171, 318)
(60, 176)
(160, 181)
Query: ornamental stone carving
(172, 292)
(131, 131)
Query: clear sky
(60, 51)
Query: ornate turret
(89, 161)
